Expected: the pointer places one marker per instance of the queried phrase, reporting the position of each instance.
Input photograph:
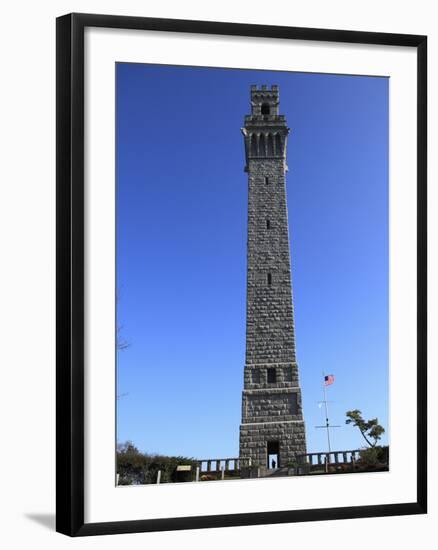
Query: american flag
(329, 379)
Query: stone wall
(273, 404)
(254, 439)
(256, 375)
(270, 321)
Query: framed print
(241, 274)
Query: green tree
(370, 429)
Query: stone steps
(274, 472)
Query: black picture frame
(70, 273)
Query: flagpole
(326, 412)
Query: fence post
(197, 473)
(159, 476)
(222, 473)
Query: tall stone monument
(272, 430)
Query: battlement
(264, 100)
(264, 88)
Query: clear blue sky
(181, 251)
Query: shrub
(374, 456)
(135, 467)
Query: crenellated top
(265, 130)
(264, 102)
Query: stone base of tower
(259, 439)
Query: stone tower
(272, 419)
